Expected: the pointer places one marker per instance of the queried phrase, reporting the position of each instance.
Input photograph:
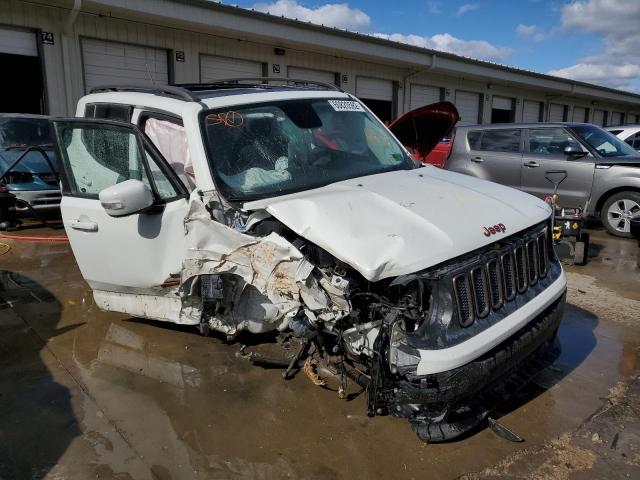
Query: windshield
(272, 149)
(606, 144)
(24, 132)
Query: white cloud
(617, 76)
(617, 23)
(467, 7)
(338, 15)
(530, 32)
(433, 7)
(341, 15)
(445, 42)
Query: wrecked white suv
(291, 208)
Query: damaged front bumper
(445, 405)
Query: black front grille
(509, 271)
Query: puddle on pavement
(189, 407)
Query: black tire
(609, 221)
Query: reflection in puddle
(125, 349)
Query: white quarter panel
(402, 222)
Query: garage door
(556, 112)
(616, 119)
(424, 95)
(531, 111)
(18, 42)
(213, 67)
(598, 117)
(114, 63)
(310, 74)
(579, 114)
(374, 88)
(468, 105)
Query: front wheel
(617, 212)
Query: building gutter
(67, 39)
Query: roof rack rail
(164, 90)
(186, 91)
(249, 82)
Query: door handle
(532, 164)
(477, 159)
(84, 225)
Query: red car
(422, 131)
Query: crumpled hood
(401, 222)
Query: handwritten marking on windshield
(228, 119)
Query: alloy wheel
(621, 212)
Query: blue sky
(597, 41)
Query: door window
(633, 141)
(97, 155)
(500, 140)
(550, 141)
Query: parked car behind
(433, 155)
(603, 172)
(30, 180)
(628, 133)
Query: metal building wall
(64, 74)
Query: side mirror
(130, 196)
(574, 152)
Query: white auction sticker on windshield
(346, 106)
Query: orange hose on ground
(27, 238)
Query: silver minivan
(602, 172)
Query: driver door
(137, 254)
(543, 161)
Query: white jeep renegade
(291, 208)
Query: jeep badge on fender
(499, 228)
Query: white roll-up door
(556, 112)
(468, 105)
(213, 67)
(598, 117)
(114, 63)
(374, 88)
(616, 119)
(311, 74)
(502, 103)
(422, 95)
(530, 111)
(18, 42)
(579, 114)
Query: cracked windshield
(267, 150)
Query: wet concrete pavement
(89, 394)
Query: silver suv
(603, 174)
